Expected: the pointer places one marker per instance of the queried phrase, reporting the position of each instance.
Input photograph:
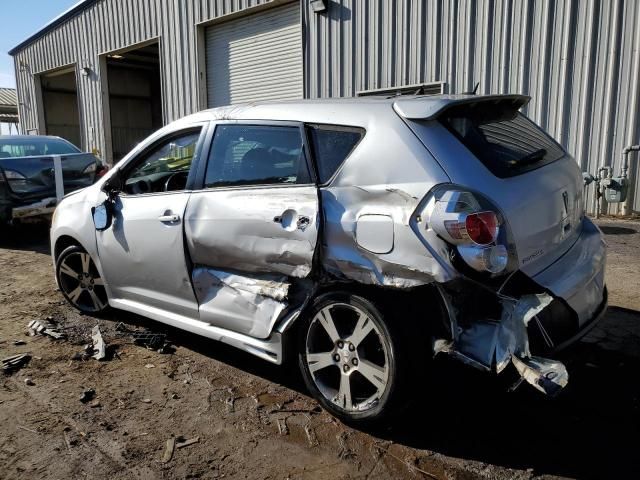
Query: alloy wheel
(347, 357)
(80, 281)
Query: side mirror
(102, 216)
(113, 183)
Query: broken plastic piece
(39, 328)
(99, 347)
(548, 376)
(15, 362)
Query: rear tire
(351, 360)
(80, 281)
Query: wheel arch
(62, 243)
(425, 305)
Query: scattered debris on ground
(168, 450)
(254, 420)
(15, 362)
(46, 327)
(147, 338)
(181, 442)
(99, 346)
(87, 395)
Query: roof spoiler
(429, 108)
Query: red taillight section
(482, 227)
(101, 170)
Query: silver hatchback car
(363, 236)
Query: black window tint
(165, 168)
(505, 141)
(331, 145)
(256, 155)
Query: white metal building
(108, 72)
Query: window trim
(155, 143)
(333, 127)
(202, 172)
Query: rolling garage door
(258, 57)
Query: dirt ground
(255, 420)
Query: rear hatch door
(33, 178)
(485, 145)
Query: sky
(20, 19)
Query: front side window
(166, 167)
(256, 155)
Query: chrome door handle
(169, 218)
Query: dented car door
(143, 251)
(251, 230)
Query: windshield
(34, 146)
(504, 140)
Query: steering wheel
(140, 186)
(177, 181)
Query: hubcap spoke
(326, 320)
(318, 361)
(86, 259)
(97, 303)
(67, 270)
(374, 374)
(350, 354)
(75, 294)
(361, 330)
(98, 281)
(344, 394)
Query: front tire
(349, 359)
(80, 281)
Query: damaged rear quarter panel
(409, 262)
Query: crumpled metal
(506, 341)
(512, 332)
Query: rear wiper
(530, 158)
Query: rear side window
(331, 145)
(504, 140)
(256, 155)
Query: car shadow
(33, 237)
(590, 430)
(614, 230)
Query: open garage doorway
(135, 99)
(60, 105)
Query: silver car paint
(370, 188)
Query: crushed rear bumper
(575, 298)
(578, 276)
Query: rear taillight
(472, 225)
(480, 228)
(101, 171)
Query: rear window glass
(504, 140)
(331, 145)
(34, 146)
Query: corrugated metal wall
(112, 25)
(578, 59)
